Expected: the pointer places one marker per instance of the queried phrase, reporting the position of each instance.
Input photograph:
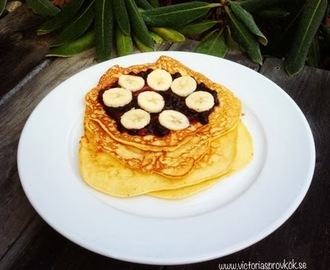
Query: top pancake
(224, 117)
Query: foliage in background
(297, 30)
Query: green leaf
(177, 15)
(197, 28)
(213, 44)
(244, 37)
(144, 4)
(138, 25)
(78, 26)
(156, 38)
(2, 6)
(310, 21)
(121, 15)
(44, 8)
(72, 48)
(141, 46)
(282, 42)
(61, 18)
(154, 3)
(231, 43)
(249, 22)
(168, 34)
(124, 43)
(313, 56)
(104, 25)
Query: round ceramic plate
(233, 214)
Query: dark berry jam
(172, 102)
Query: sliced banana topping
(131, 82)
(151, 101)
(173, 120)
(166, 106)
(135, 119)
(159, 80)
(200, 101)
(184, 86)
(117, 97)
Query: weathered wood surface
(27, 242)
(20, 48)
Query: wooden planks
(16, 214)
(20, 48)
(306, 234)
(26, 241)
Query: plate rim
(157, 260)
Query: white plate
(234, 214)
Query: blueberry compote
(172, 102)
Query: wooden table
(27, 242)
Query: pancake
(243, 157)
(173, 164)
(196, 151)
(103, 172)
(224, 117)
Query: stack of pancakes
(177, 165)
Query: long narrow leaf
(121, 15)
(141, 46)
(124, 43)
(156, 38)
(138, 25)
(2, 6)
(104, 29)
(197, 28)
(178, 14)
(231, 43)
(213, 44)
(154, 3)
(44, 8)
(249, 22)
(78, 26)
(313, 56)
(168, 34)
(282, 42)
(310, 22)
(244, 38)
(144, 4)
(72, 48)
(61, 18)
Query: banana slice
(184, 86)
(159, 79)
(131, 82)
(173, 120)
(117, 97)
(135, 119)
(200, 101)
(151, 101)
